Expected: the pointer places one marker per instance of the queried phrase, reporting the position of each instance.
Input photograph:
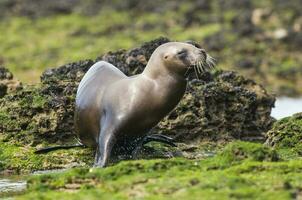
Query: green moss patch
(250, 177)
(21, 159)
(287, 134)
(236, 152)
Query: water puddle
(286, 106)
(11, 185)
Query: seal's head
(179, 57)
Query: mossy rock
(219, 106)
(287, 133)
(16, 159)
(254, 177)
(7, 82)
(237, 152)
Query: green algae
(19, 111)
(21, 159)
(29, 117)
(88, 38)
(235, 152)
(250, 177)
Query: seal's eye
(182, 52)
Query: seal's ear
(195, 44)
(166, 56)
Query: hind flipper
(153, 138)
(49, 149)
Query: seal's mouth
(204, 64)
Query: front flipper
(153, 138)
(158, 138)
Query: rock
(236, 152)
(43, 113)
(259, 14)
(5, 74)
(225, 106)
(191, 16)
(287, 133)
(294, 39)
(249, 63)
(280, 34)
(215, 42)
(7, 83)
(220, 106)
(243, 25)
(297, 26)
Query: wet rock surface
(219, 106)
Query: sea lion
(116, 111)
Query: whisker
(213, 59)
(205, 66)
(198, 67)
(196, 72)
(211, 62)
(202, 64)
(187, 70)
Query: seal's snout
(203, 53)
(204, 62)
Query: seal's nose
(203, 52)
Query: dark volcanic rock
(223, 105)
(5, 74)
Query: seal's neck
(155, 70)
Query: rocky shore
(222, 125)
(221, 106)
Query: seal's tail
(49, 149)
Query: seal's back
(88, 99)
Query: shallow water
(11, 185)
(17, 184)
(286, 106)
